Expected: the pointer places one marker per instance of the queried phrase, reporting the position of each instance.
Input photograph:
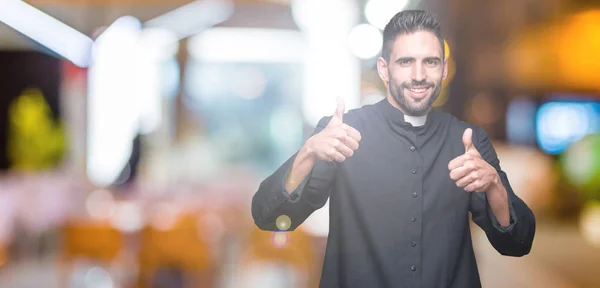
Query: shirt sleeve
(516, 238)
(272, 200)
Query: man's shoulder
(354, 115)
(458, 126)
(455, 122)
(351, 116)
(361, 111)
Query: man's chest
(392, 172)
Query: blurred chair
(176, 249)
(95, 241)
(286, 258)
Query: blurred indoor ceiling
(87, 16)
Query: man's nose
(418, 73)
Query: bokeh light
(100, 204)
(283, 222)
(164, 216)
(379, 12)
(251, 83)
(365, 41)
(280, 239)
(128, 217)
(581, 165)
(98, 277)
(589, 223)
(561, 123)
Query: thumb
(467, 140)
(339, 111)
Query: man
(401, 178)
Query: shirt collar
(397, 117)
(415, 120)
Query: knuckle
(472, 178)
(343, 134)
(469, 165)
(331, 151)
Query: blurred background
(134, 133)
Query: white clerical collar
(416, 121)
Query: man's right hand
(337, 141)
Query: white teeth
(418, 90)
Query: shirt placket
(416, 220)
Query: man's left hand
(470, 171)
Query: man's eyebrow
(405, 59)
(432, 58)
(438, 59)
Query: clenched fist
(337, 141)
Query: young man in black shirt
(401, 178)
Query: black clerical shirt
(396, 217)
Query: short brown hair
(409, 21)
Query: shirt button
(413, 268)
(413, 219)
(414, 194)
(414, 171)
(413, 244)
(412, 148)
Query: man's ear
(445, 69)
(382, 69)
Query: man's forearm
(498, 199)
(302, 166)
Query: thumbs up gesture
(470, 171)
(337, 141)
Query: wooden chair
(96, 241)
(293, 249)
(179, 246)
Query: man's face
(414, 72)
